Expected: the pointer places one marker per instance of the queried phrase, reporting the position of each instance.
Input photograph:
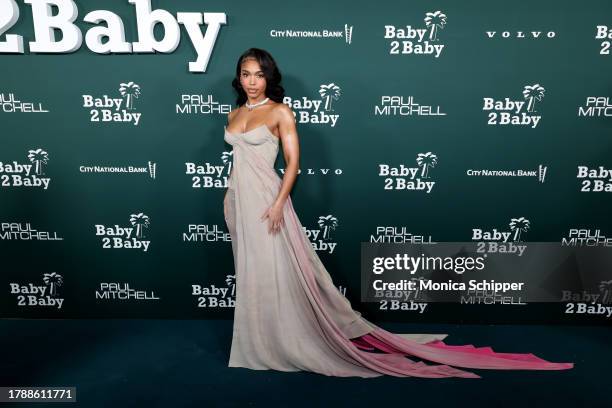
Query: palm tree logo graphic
(328, 223)
(533, 93)
(329, 92)
(418, 288)
(130, 91)
(230, 281)
(518, 225)
(226, 158)
(426, 160)
(140, 220)
(39, 157)
(53, 280)
(435, 21)
(605, 287)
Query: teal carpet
(183, 363)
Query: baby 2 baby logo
(594, 180)
(211, 175)
(22, 175)
(310, 110)
(502, 242)
(410, 178)
(116, 237)
(39, 295)
(323, 241)
(509, 112)
(107, 109)
(417, 41)
(216, 297)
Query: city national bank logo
(117, 237)
(595, 107)
(417, 41)
(404, 106)
(347, 34)
(214, 297)
(10, 104)
(410, 178)
(603, 32)
(399, 235)
(581, 237)
(31, 295)
(500, 241)
(515, 112)
(540, 173)
(122, 291)
(316, 111)
(149, 169)
(320, 238)
(198, 104)
(209, 175)
(15, 231)
(595, 180)
(121, 110)
(23, 175)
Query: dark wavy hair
(274, 90)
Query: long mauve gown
(289, 315)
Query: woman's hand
(275, 217)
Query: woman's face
(252, 79)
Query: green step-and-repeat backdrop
(446, 121)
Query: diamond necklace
(251, 107)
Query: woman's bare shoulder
(283, 112)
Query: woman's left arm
(291, 153)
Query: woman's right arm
(230, 115)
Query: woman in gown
(289, 315)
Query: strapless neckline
(268, 131)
